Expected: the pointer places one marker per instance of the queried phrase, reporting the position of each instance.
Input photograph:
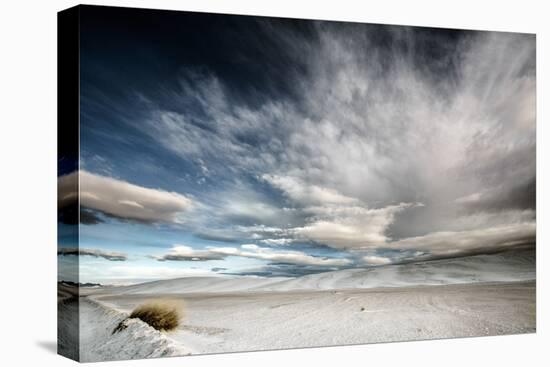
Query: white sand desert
(473, 296)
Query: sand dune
(471, 296)
(245, 321)
(195, 284)
(504, 267)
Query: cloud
(287, 257)
(463, 243)
(520, 196)
(277, 241)
(88, 217)
(67, 190)
(185, 253)
(243, 209)
(217, 236)
(350, 227)
(123, 200)
(235, 205)
(336, 220)
(392, 134)
(379, 120)
(376, 260)
(260, 229)
(107, 255)
(456, 133)
(304, 194)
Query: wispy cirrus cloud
(378, 150)
(388, 144)
(299, 192)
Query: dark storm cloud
(522, 196)
(107, 255)
(463, 243)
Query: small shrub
(161, 314)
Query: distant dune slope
(196, 284)
(503, 267)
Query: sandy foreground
(246, 321)
(474, 296)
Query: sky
(216, 145)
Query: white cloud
(376, 260)
(277, 241)
(250, 247)
(352, 227)
(337, 220)
(124, 200)
(289, 257)
(305, 194)
(185, 253)
(259, 228)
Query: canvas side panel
(68, 183)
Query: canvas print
(239, 183)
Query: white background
(28, 182)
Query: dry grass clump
(164, 315)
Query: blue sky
(214, 145)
